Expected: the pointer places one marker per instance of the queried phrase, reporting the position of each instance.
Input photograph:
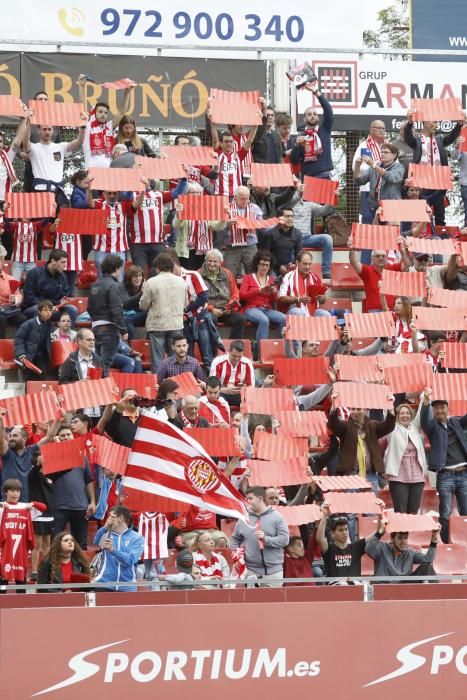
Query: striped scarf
(12, 180)
(239, 235)
(375, 148)
(101, 137)
(199, 236)
(313, 145)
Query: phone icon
(72, 22)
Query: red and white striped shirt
(71, 244)
(154, 527)
(195, 285)
(146, 223)
(230, 172)
(242, 373)
(215, 566)
(115, 240)
(215, 412)
(25, 241)
(239, 142)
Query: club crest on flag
(201, 476)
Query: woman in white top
(405, 461)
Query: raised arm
(123, 107)
(321, 531)
(250, 138)
(353, 258)
(3, 441)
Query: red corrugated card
(279, 447)
(430, 246)
(455, 355)
(311, 328)
(409, 284)
(361, 395)
(452, 299)
(235, 113)
(203, 207)
(266, 223)
(437, 110)
(463, 145)
(29, 205)
(144, 384)
(88, 393)
(271, 175)
(60, 349)
(306, 370)
(320, 191)
(32, 408)
(217, 443)
(300, 515)
(159, 168)
(190, 155)
(342, 483)
(59, 456)
(342, 502)
(374, 237)
(232, 97)
(287, 472)
(301, 423)
(244, 223)
(57, 113)
(404, 522)
(110, 455)
(86, 222)
(430, 177)
(259, 400)
(463, 251)
(398, 359)
(121, 84)
(11, 106)
(451, 387)
(411, 377)
(187, 384)
(431, 319)
(117, 179)
(358, 369)
(396, 210)
(370, 325)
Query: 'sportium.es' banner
(370, 651)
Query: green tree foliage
(393, 30)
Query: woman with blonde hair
(405, 463)
(213, 565)
(128, 136)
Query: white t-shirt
(11, 153)
(94, 161)
(48, 160)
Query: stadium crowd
(156, 296)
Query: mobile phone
(365, 152)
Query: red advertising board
(371, 651)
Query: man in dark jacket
(32, 341)
(105, 310)
(48, 282)
(359, 451)
(430, 149)
(78, 362)
(284, 241)
(448, 456)
(312, 150)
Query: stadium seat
(35, 387)
(7, 267)
(344, 277)
(450, 559)
(143, 347)
(228, 342)
(337, 303)
(87, 275)
(80, 303)
(7, 354)
(270, 350)
(430, 501)
(458, 530)
(367, 526)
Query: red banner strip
(190, 155)
(410, 284)
(29, 205)
(309, 370)
(430, 246)
(85, 222)
(301, 423)
(287, 472)
(31, 408)
(311, 328)
(203, 208)
(279, 447)
(159, 168)
(455, 355)
(342, 502)
(430, 177)
(320, 191)
(117, 179)
(60, 456)
(88, 393)
(299, 515)
(360, 395)
(437, 109)
(342, 483)
(452, 299)
(374, 237)
(257, 400)
(57, 113)
(431, 319)
(397, 210)
(271, 175)
(219, 442)
(370, 325)
(110, 455)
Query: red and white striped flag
(167, 467)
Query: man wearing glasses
(371, 275)
(371, 146)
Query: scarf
(12, 180)
(430, 150)
(239, 235)
(313, 145)
(101, 137)
(301, 287)
(375, 148)
(187, 423)
(238, 563)
(199, 236)
(361, 454)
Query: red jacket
(250, 294)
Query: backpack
(338, 228)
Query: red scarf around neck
(101, 137)
(313, 145)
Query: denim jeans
(107, 340)
(368, 215)
(138, 319)
(127, 364)
(464, 202)
(144, 254)
(99, 257)
(17, 269)
(449, 484)
(161, 341)
(205, 342)
(323, 241)
(261, 316)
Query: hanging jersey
(230, 172)
(146, 222)
(16, 540)
(239, 142)
(71, 244)
(195, 285)
(25, 241)
(242, 373)
(154, 527)
(115, 240)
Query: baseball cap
(184, 560)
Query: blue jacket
(324, 161)
(79, 198)
(40, 284)
(119, 565)
(438, 436)
(33, 338)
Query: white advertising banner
(359, 91)
(184, 23)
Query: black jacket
(45, 574)
(442, 140)
(40, 284)
(284, 245)
(437, 434)
(33, 338)
(40, 488)
(105, 303)
(70, 371)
